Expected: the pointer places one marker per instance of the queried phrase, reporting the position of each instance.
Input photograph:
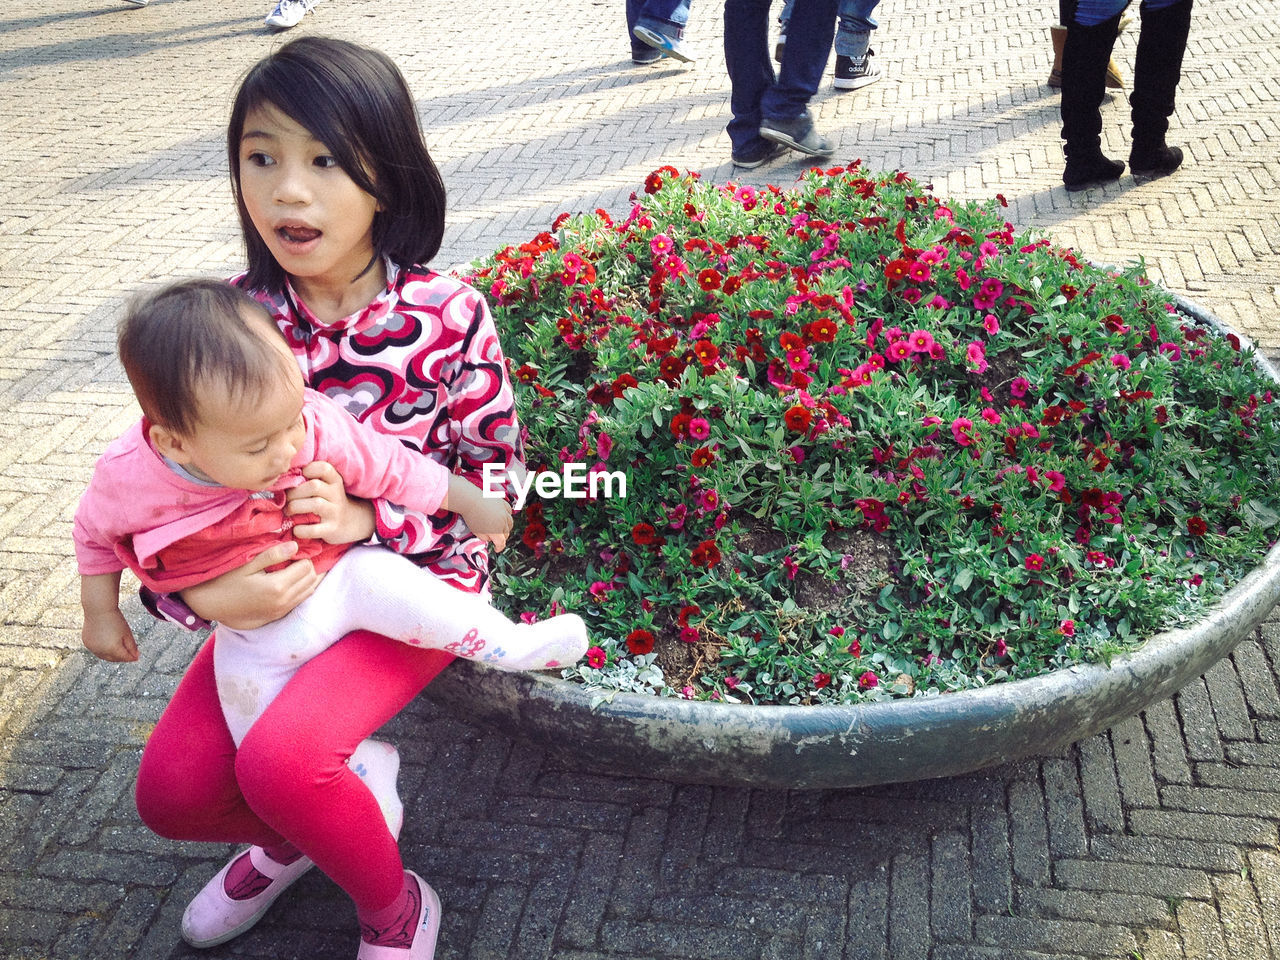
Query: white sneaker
(137, 3)
(289, 13)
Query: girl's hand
(489, 518)
(250, 596)
(107, 636)
(341, 518)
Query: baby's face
(248, 442)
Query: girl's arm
(482, 429)
(250, 596)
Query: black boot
(1084, 78)
(1157, 69)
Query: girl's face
(314, 219)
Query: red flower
(702, 457)
(868, 680)
(644, 534)
(706, 352)
(1033, 562)
(1197, 527)
(640, 642)
(820, 680)
(687, 611)
(526, 373)
(596, 658)
(705, 554)
(822, 330)
(855, 649)
(797, 419)
(709, 279)
(624, 382)
(534, 534)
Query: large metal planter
(887, 742)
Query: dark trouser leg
(1157, 69)
(1084, 76)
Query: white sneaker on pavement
(289, 13)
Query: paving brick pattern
(1154, 840)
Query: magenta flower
(976, 355)
(898, 350)
(960, 428)
(990, 416)
(1033, 562)
(661, 245)
(604, 446)
(991, 324)
(1067, 628)
(1120, 361)
(921, 341)
(1019, 386)
(596, 658)
(868, 680)
(699, 428)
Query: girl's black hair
(355, 101)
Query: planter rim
(862, 744)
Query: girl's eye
(325, 161)
(259, 159)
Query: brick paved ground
(1157, 839)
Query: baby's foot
(558, 642)
(378, 765)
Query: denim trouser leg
(1090, 13)
(667, 17)
(746, 56)
(853, 35)
(810, 32)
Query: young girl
(198, 486)
(340, 206)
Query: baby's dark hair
(175, 342)
(355, 101)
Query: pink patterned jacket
(421, 363)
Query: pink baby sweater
(136, 506)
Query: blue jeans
(756, 94)
(667, 17)
(853, 33)
(1090, 13)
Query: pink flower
(1067, 628)
(898, 350)
(699, 428)
(596, 658)
(976, 355)
(1019, 386)
(1057, 482)
(990, 416)
(1120, 362)
(921, 341)
(604, 446)
(868, 680)
(661, 245)
(689, 634)
(991, 324)
(1002, 650)
(959, 430)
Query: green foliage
(875, 445)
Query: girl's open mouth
(294, 234)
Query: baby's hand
(108, 637)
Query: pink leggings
(289, 780)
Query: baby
(197, 489)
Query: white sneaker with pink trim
(212, 917)
(427, 931)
